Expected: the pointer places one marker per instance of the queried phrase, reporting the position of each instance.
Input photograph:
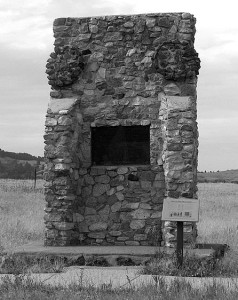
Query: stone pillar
(178, 115)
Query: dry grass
(218, 218)
(21, 221)
(21, 212)
(218, 213)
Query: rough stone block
(137, 224)
(141, 214)
(100, 189)
(100, 226)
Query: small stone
(100, 226)
(63, 225)
(111, 192)
(62, 167)
(89, 179)
(140, 214)
(115, 233)
(83, 37)
(130, 52)
(86, 191)
(129, 24)
(123, 238)
(112, 37)
(100, 189)
(93, 28)
(130, 206)
(120, 196)
(91, 219)
(82, 171)
(145, 206)
(186, 16)
(102, 179)
(122, 170)
(112, 173)
(97, 235)
(159, 176)
(78, 218)
(65, 121)
(155, 215)
(50, 122)
(172, 89)
(132, 243)
(150, 22)
(120, 188)
(146, 185)
(104, 211)
(140, 237)
(137, 224)
(90, 211)
(53, 217)
(116, 207)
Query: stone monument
(121, 131)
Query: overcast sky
(26, 39)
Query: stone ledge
(106, 255)
(56, 105)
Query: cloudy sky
(26, 40)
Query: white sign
(181, 209)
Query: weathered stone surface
(141, 214)
(90, 211)
(64, 225)
(145, 206)
(172, 89)
(64, 120)
(50, 122)
(132, 243)
(115, 233)
(102, 179)
(116, 207)
(88, 179)
(156, 215)
(122, 170)
(100, 189)
(97, 235)
(112, 37)
(120, 196)
(79, 218)
(140, 237)
(100, 226)
(137, 224)
(117, 71)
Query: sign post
(180, 210)
(180, 243)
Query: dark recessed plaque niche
(121, 145)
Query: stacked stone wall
(119, 71)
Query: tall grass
(218, 213)
(26, 288)
(218, 220)
(21, 212)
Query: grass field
(229, 176)
(21, 212)
(21, 221)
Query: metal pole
(180, 243)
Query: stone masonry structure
(121, 131)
